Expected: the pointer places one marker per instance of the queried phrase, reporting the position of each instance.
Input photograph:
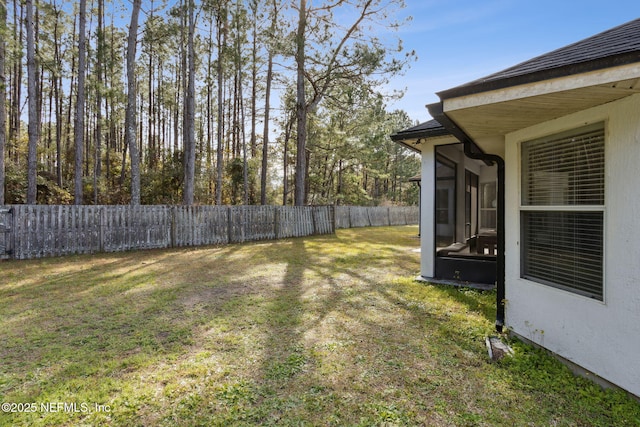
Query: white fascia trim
(576, 81)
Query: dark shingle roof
(614, 47)
(428, 129)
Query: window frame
(452, 203)
(566, 208)
(471, 203)
(488, 213)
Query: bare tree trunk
(32, 129)
(285, 180)
(245, 166)
(184, 80)
(79, 122)
(3, 112)
(339, 190)
(70, 104)
(176, 113)
(57, 83)
(240, 117)
(159, 112)
(265, 134)
(130, 115)
(235, 121)
(150, 115)
(39, 91)
(222, 40)
(108, 141)
(209, 114)
(140, 126)
(109, 105)
(267, 112)
(189, 112)
(301, 107)
(49, 161)
(254, 78)
(97, 166)
(16, 86)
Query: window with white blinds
(562, 210)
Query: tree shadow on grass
(284, 318)
(384, 353)
(288, 360)
(207, 305)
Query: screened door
(445, 201)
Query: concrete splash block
(497, 349)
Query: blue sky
(458, 41)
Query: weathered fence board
(134, 227)
(250, 223)
(198, 225)
(378, 216)
(5, 232)
(324, 222)
(398, 216)
(412, 215)
(35, 231)
(40, 231)
(360, 216)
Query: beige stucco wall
(600, 336)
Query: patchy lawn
(328, 330)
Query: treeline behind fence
(36, 231)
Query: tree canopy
(202, 102)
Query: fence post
(101, 221)
(15, 226)
(332, 218)
(12, 235)
(172, 232)
(313, 220)
(276, 222)
(229, 225)
(6, 230)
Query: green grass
(328, 330)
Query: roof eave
(404, 136)
(548, 74)
(406, 144)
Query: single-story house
(536, 168)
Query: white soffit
(505, 110)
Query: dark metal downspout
(420, 208)
(500, 263)
(472, 151)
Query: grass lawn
(328, 330)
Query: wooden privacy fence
(36, 231)
(360, 216)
